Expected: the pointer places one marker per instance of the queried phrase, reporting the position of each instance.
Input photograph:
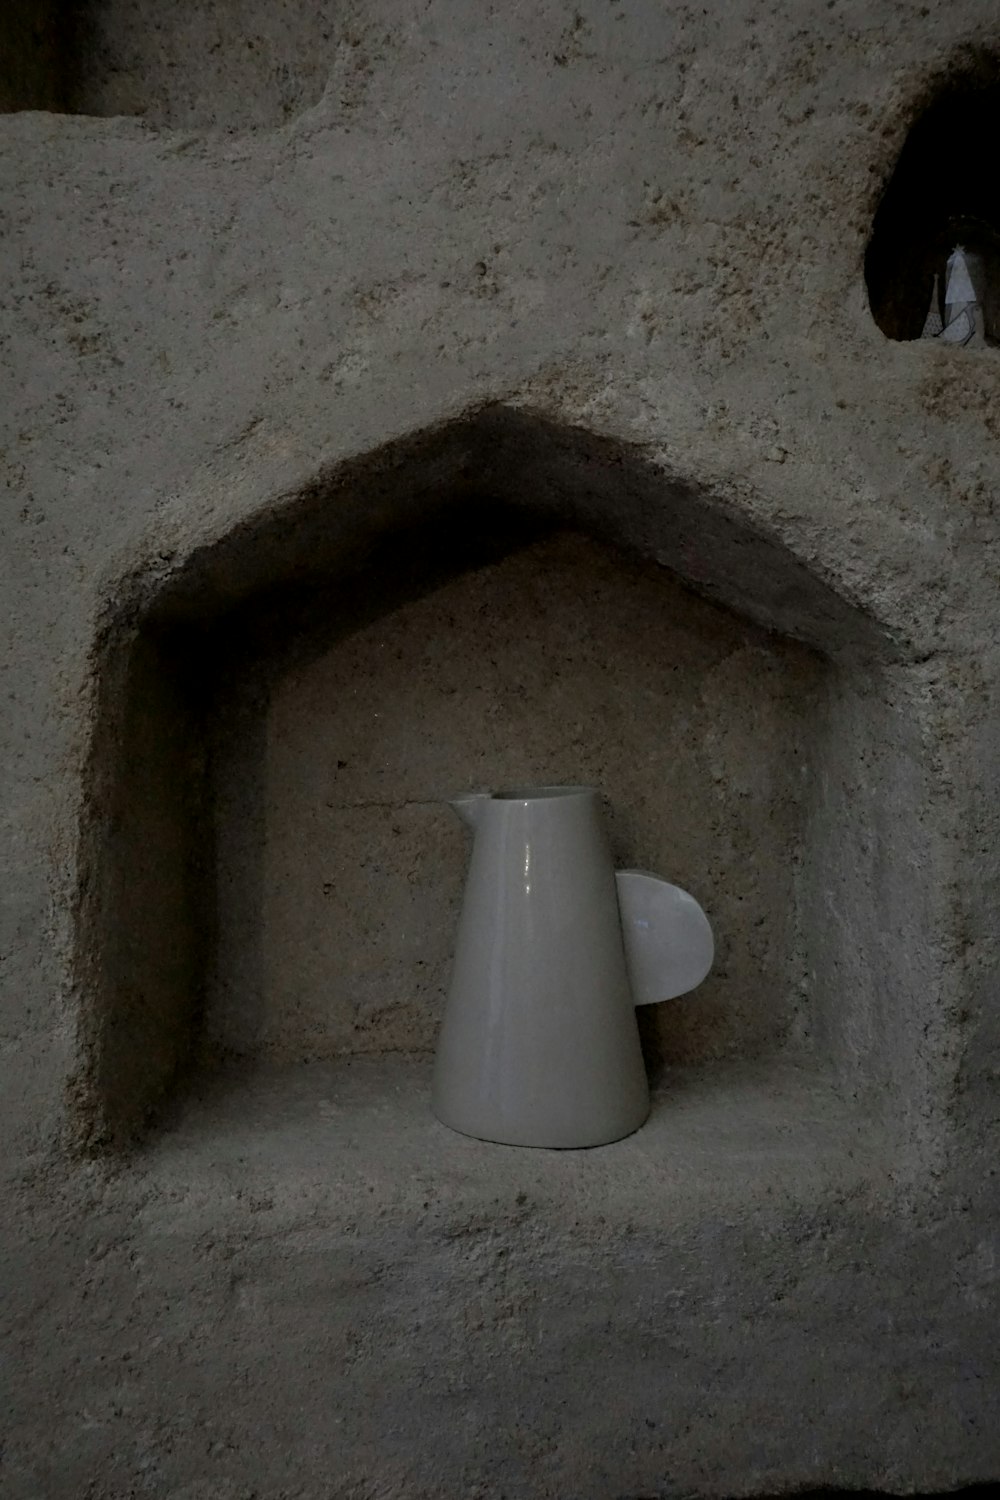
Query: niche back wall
(340, 871)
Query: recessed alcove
(175, 65)
(270, 878)
(940, 194)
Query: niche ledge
(356, 1137)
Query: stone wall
(406, 397)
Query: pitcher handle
(669, 947)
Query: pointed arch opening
(268, 872)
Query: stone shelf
(354, 1142)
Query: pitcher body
(539, 1045)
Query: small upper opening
(942, 195)
(172, 64)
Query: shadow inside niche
(942, 193)
(174, 65)
(151, 906)
(259, 646)
(36, 49)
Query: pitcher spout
(470, 807)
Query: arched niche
(941, 193)
(267, 872)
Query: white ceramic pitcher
(539, 1045)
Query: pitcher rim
(542, 793)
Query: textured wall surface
(312, 309)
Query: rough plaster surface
(637, 233)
